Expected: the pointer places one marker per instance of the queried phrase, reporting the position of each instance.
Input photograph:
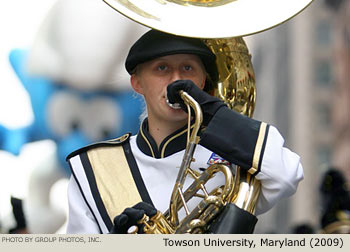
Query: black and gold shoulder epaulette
(111, 142)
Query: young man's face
(152, 78)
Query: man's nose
(176, 75)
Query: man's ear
(203, 84)
(135, 84)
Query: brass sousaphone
(221, 24)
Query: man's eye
(188, 68)
(162, 67)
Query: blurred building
(341, 100)
(302, 93)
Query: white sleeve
(80, 218)
(280, 174)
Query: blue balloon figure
(71, 118)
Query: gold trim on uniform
(170, 139)
(113, 178)
(258, 148)
(146, 140)
(122, 138)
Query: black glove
(130, 216)
(209, 104)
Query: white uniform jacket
(149, 175)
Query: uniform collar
(173, 143)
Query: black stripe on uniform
(263, 149)
(136, 174)
(94, 190)
(82, 193)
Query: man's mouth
(173, 105)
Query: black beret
(155, 44)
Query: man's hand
(209, 104)
(130, 217)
